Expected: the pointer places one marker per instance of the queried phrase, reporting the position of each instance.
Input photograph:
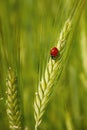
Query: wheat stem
(52, 71)
(13, 104)
(35, 127)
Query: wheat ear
(13, 103)
(52, 71)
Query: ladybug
(54, 52)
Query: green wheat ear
(13, 102)
(52, 71)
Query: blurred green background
(28, 29)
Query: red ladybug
(54, 52)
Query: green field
(28, 30)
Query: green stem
(35, 127)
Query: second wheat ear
(13, 102)
(52, 71)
